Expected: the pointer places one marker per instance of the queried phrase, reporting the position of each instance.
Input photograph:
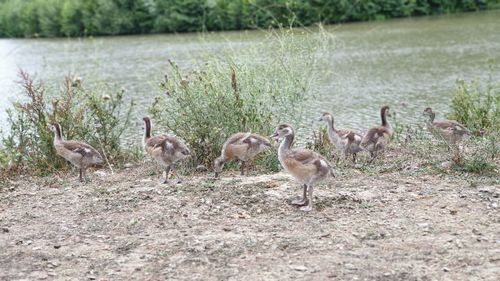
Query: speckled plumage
(242, 146)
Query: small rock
(128, 165)
(298, 267)
(453, 212)
(28, 242)
(477, 232)
(57, 246)
(445, 269)
(101, 173)
(201, 168)
(5, 230)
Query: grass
(234, 93)
(96, 117)
(231, 93)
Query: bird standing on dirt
(165, 149)
(78, 153)
(377, 138)
(345, 140)
(449, 130)
(243, 147)
(306, 166)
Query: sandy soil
(128, 226)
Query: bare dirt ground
(129, 226)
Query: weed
(97, 118)
(230, 94)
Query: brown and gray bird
(377, 138)
(306, 166)
(345, 140)
(166, 150)
(450, 130)
(243, 147)
(78, 153)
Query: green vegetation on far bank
(53, 18)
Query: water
(408, 64)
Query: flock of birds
(305, 165)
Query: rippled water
(408, 63)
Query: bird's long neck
(383, 117)
(286, 144)
(147, 129)
(57, 133)
(386, 123)
(330, 124)
(432, 116)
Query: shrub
(476, 107)
(236, 92)
(98, 119)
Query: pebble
(100, 173)
(298, 267)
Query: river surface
(408, 64)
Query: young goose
(80, 154)
(376, 138)
(306, 166)
(165, 149)
(450, 130)
(242, 146)
(343, 139)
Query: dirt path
(128, 226)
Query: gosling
(164, 149)
(242, 146)
(343, 139)
(306, 166)
(78, 153)
(450, 130)
(377, 138)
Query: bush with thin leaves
(96, 118)
(238, 92)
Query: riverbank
(391, 226)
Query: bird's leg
(333, 156)
(303, 201)
(81, 175)
(85, 178)
(167, 170)
(177, 177)
(309, 206)
(374, 155)
(242, 168)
